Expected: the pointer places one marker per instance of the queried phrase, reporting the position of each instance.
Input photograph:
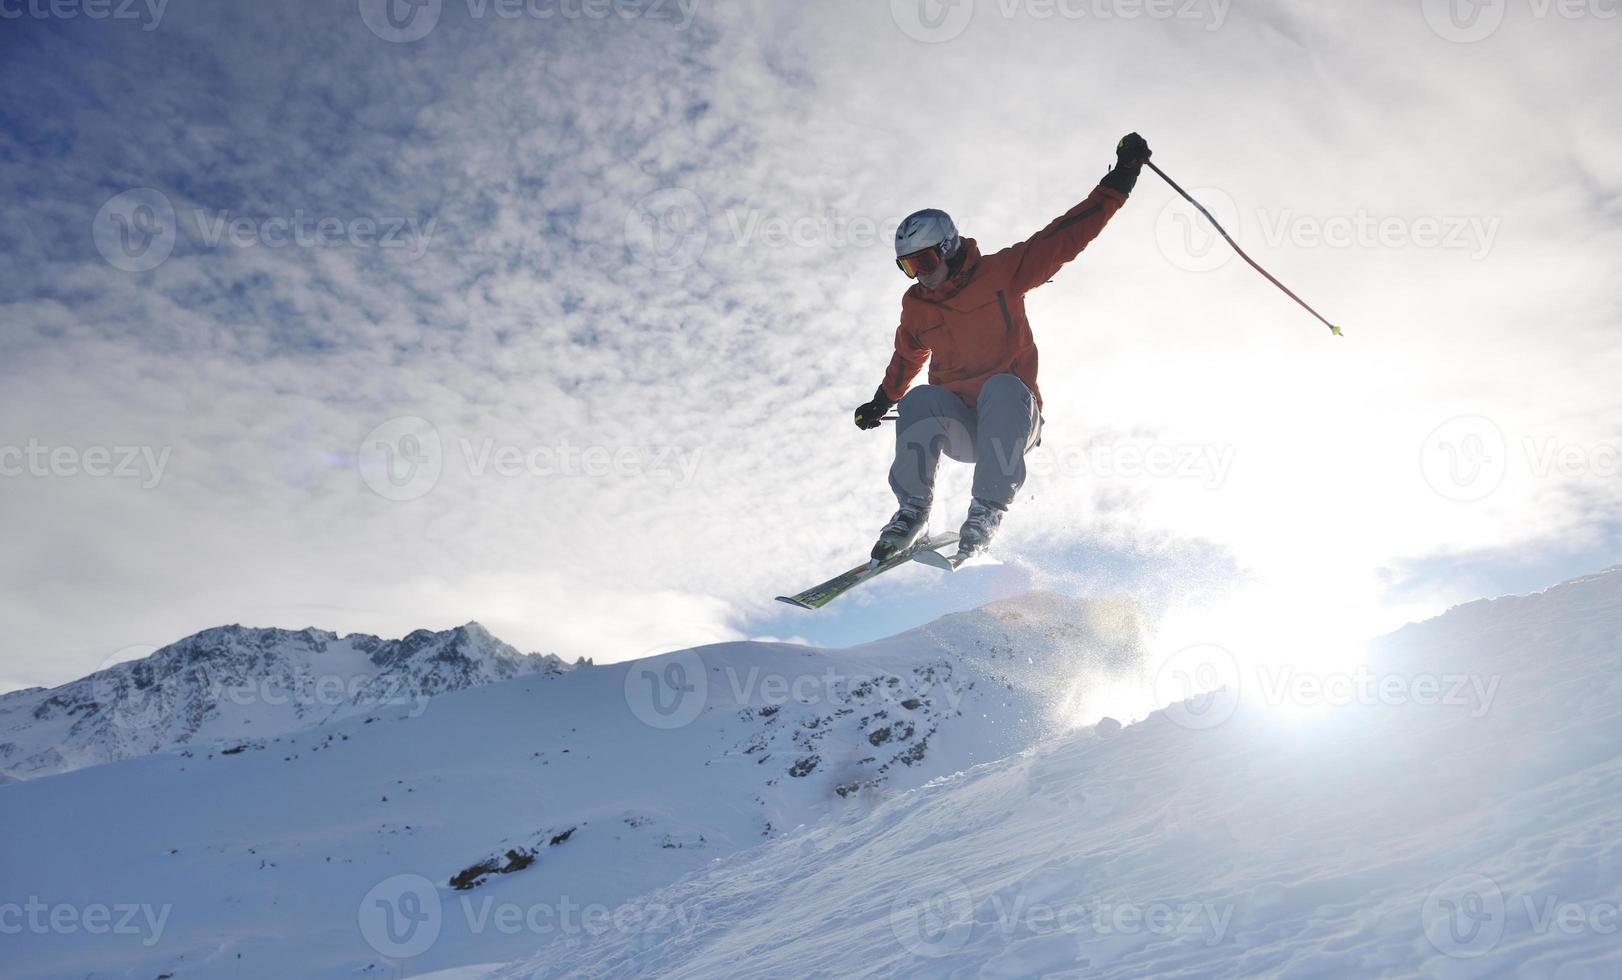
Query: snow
(1425, 831)
(1449, 807)
(247, 844)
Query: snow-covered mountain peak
(235, 681)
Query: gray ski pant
(995, 435)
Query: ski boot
(906, 528)
(984, 519)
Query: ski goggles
(921, 263)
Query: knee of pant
(1004, 386)
(923, 401)
(919, 393)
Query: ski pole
(1332, 328)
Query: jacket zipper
(1002, 304)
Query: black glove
(1132, 151)
(1130, 155)
(871, 415)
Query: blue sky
(553, 315)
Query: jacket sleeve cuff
(1122, 179)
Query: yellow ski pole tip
(1336, 331)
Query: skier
(966, 315)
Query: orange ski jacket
(973, 325)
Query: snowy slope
(574, 793)
(1453, 810)
(232, 682)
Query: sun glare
(1274, 647)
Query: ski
(820, 595)
(951, 563)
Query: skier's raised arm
(1051, 248)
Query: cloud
(662, 252)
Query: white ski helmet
(928, 228)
